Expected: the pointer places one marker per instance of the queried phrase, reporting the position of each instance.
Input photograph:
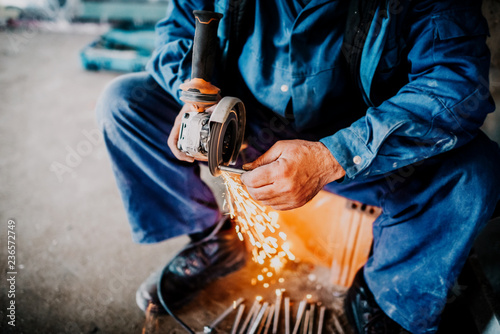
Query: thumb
(270, 156)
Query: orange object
(205, 22)
(202, 87)
(199, 85)
(331, 231)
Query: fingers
(173, 138)
(264, 193)
(261, 176)
(271, 155)
(275, 198)
(264, 169)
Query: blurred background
(77, 268)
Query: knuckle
(287, 188)
(286, 173)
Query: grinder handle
(205, 44)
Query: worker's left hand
(291, 173)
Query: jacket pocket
(458, 33)
(459, 23)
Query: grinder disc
(223, 142)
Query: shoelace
(194, 244)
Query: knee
(463, 185)
(120, 97)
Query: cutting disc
(227, 127)
(222, 143)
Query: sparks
(259, 225)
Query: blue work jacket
(423, 74)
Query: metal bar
(226, 313)
(311, 319)
(287, 315)
(232, 170)
(249, 317)
(321, 319)
(300, 314)
(258, 318)
(269, 319)
(306, 321)
(264, 320)
(279, 296)
(237, 320)
(337, 324)
(254, 317)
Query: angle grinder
(212, 133)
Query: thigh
(431, 214)
(137, 103)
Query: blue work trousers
(431, 211)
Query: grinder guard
(227, 130)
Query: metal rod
(287, 315)
(263, 320)
(237, 320)
(254, 317)
(258, 318)
(269, 319)
(337, 324)
(249, 317)
(321, 319)
(306, 321)
(232, 170)
(311, 319)
(300, 314)
(279, 296)
(226, 313)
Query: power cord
(194, 244)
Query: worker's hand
(173, 138)
(291, 173)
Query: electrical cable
(194, 244)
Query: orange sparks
(258, 224)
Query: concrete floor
(77, 266)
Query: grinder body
(216, 133)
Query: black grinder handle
(205, 44)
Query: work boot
(363, 313)
(201, 262)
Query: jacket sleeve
(441, 107)
(170, 64)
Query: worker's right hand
(173, 138)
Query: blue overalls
(406, 133)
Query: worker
(377, 101)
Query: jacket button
(284, 88)
(357, 160)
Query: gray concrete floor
(77, 268)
